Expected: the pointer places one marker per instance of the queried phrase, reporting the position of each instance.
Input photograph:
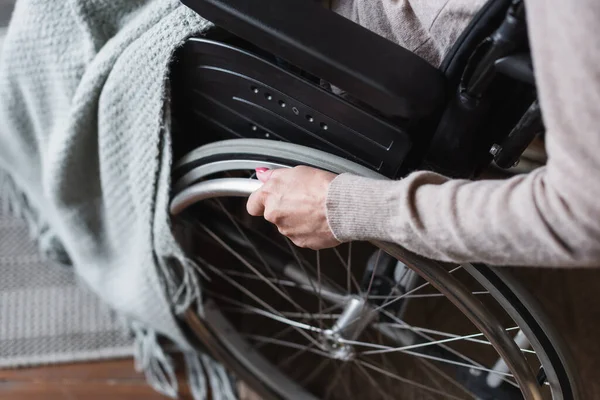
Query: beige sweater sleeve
(549, 217)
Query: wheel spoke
(320, 299)
(385, 304)
(446, 377)
(320, 317)
(278, 335)
(301, 265)
(334, 381)
(255, 298)
(460, 364)
(289, 249)
(406, 381)
(241, 232)
(381, 307)
(283, 364)
(472, 363)
(420, 296)
(285, 343)
(326, 311)
(252, 268)
(282, 282)
(347, 382)
(276, 316)
(420, 345)
(366, 295)
(468, 338)
(383, 357)
(325, 293)
(348, 267)
(349, 274)
(306, 381)
(430, 375)
(374, 384)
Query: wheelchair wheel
(361, 321)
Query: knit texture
(550, 217)
(85, 150)
(428, 28)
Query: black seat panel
(240, 94)
(382, 74)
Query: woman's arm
(549, 217)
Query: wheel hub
(355, 318)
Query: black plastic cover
(221, 88)
(380, 73)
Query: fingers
(256, 203)
(272, 184)
(263, 174)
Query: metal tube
(357, 315)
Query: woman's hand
(294, 200)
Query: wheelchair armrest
(378, 72)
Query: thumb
(263, 174)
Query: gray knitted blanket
(85, 155)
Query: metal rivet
(324, 126)
(254, 128)
(282, 103)
(310, 118)
(267, 135)
(254, 89)
(495, 149)
(268, 96)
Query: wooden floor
(114, 380)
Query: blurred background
(6, 7)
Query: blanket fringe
(152, 359)
(204, 375)
(13, 201)
(195, 376)
(184, 286)
(220, 382)
(188, 293)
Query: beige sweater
(428, 28)
(549, 217)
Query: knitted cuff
(355, 209)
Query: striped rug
(45, 316)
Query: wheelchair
(364, 320)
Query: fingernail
(263, 174)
